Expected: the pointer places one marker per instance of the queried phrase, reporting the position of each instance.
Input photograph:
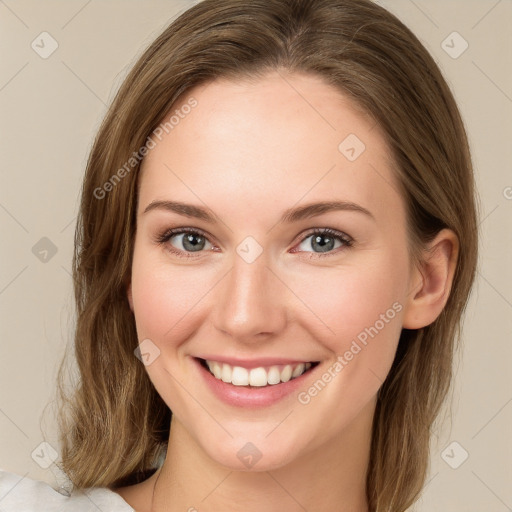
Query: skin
(249, 151)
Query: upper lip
(254, 363)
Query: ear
(431, 281)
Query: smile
(256, 377)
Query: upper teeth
(239, 376)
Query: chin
(241, 454)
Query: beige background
(50, 111)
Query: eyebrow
(289, 216)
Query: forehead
(269, 141)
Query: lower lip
(241, 396)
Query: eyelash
(164, 237)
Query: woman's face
(258, 286)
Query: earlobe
(432, 281)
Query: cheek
(361, 312)
(163, 296)
(349, 300)
(360, 307)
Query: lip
(252, 397)
(249, 364)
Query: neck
(332, 477)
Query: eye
(186, 241)
(324, 241)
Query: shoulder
(23, 494)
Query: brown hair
(114, 424)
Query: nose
(250, 302)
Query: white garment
(23, 494)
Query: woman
(276, 242)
